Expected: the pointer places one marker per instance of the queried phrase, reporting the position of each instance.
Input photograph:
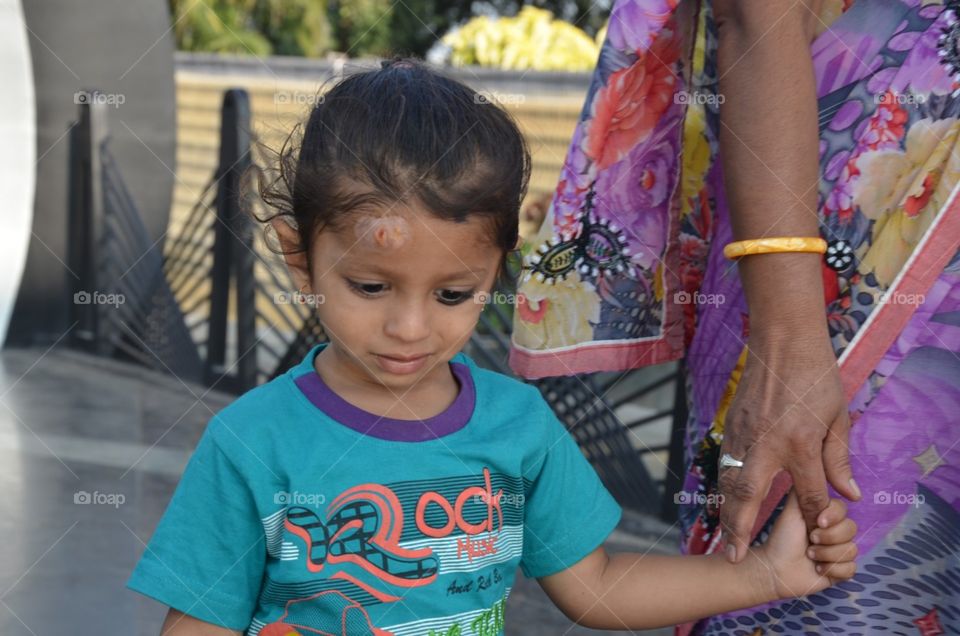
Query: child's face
(399, 292)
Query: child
(386, 484)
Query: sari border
(593, 357)
(882, 327)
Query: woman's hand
(789, 413)
(798, 563)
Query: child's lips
(401, 365)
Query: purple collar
(449, 421)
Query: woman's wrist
(782, 288)
(802, 344)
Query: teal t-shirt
(300, 513)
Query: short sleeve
(207, 555)
(568, 512)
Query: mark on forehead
(385, 232)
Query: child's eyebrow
(468, 273)
(373, 268)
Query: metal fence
(202, 303)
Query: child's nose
(408, 321)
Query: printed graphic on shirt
(481, 622)
(378, 544)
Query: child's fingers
(833, 553)
(837, 571)
(833, 514)
(838, 533)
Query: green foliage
(294, 27)
(416, 25)
(252, 27)
(363, 27)
(218, 26)
(312, 28)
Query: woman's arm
(180, 624)
(789, 411)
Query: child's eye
(453, 297)
(366, 289)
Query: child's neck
(432, 395)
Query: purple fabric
(718, 340)
(449, 421)
(916, 409)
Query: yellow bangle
(768, 245)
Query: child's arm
(180, 624)
(643, 591)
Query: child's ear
(295, 257)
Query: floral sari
(627, 271)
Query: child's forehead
(402, 239)
(397, 226)
(383, 232)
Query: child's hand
(801, 564)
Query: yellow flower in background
(532, 39)
(902, 191)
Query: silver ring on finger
(728, 461)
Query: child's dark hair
(402, 132)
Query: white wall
(18, 154)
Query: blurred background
(137, 299)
